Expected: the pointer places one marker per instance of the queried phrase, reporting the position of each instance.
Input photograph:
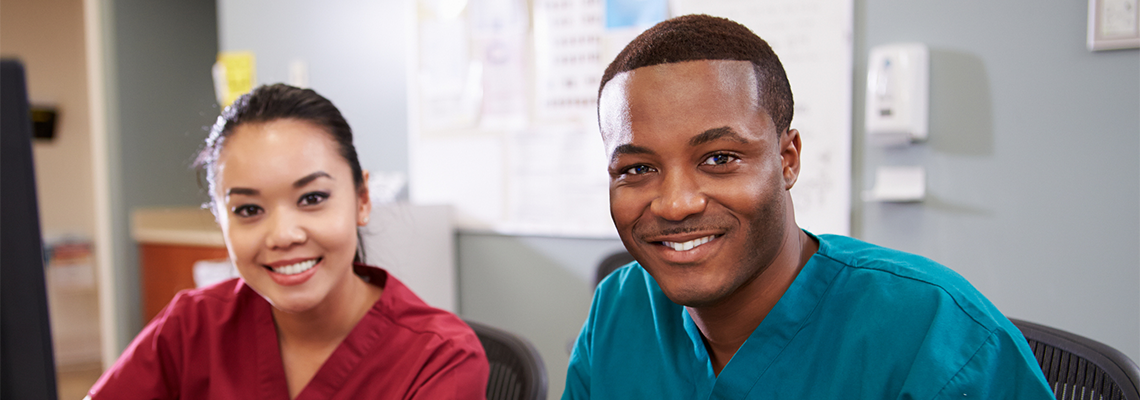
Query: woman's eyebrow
(297, 185)
(242, 191)
(309, 178)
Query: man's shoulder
(858, 254)
(911, 277)
(938, 322)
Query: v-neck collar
(338, 368)
(769, 339)
(271, 382)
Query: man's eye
(638, 170)
(312, 198)
(718, 159)
(247, 210)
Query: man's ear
(363, 203)
(790, 154)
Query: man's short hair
(703, 37)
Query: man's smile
(688, 245)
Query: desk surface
(191, 226)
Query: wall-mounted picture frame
(1114, 24)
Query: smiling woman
(307, 318)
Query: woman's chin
(293, 303)
(293, 306)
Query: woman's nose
(284, 231)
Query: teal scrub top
(859, 322)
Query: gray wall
(160, 99)
(355, 51)
(537, 287)
(1033, 162)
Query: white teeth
(296, 268)
(688, 245)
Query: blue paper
(633, 13)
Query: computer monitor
(27, 366)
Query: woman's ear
(363, 203)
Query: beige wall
(48, 36)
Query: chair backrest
(610, 263)
(517, 371)
(1081, 368)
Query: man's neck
(728, 324)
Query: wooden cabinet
(170, 241)
(167, 269)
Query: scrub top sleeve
(458, 370)
(999, 370)
(150, 367)
(578, 373)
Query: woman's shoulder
(199, 330)
(403, 309)
(209, 305)
(224, 293)
(226, 290)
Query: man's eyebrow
(309, 178)
(710, 135)
(629, 149)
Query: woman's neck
(306, 340)
(331, 320)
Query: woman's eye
(719, 159)
(313, 198)
(638, 170)
(247, 210)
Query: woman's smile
(295, 274)
(292, 267)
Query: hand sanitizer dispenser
(897, 93)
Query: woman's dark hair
(280, 101)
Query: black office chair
(517, 371)
(1081, 368)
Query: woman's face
(288, 210)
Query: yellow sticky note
(234, 75)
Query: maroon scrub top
(220, 342)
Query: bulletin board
(502, 103)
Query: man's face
(698, 176)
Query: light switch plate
(1114, 24)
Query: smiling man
(729, 298)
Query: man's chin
(694, 297)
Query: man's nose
(284, 231)
(680, 197)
